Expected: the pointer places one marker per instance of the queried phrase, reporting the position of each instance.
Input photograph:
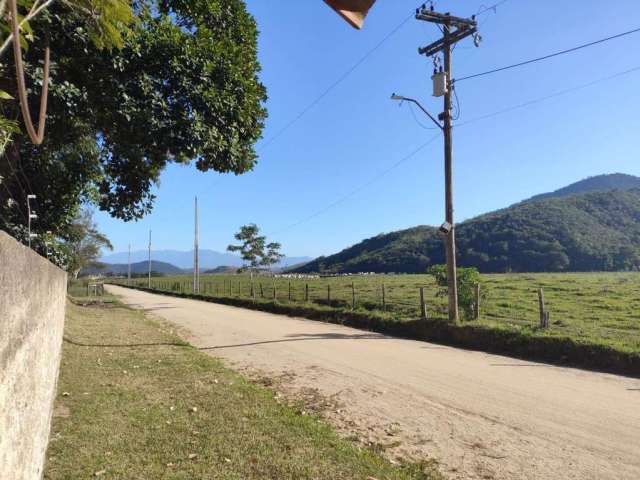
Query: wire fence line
(589, 308)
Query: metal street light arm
(413, 100)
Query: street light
(402, 98)
(447, 228)
(48, 241)
(31, 216)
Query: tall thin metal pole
(30, 215)
(196, 259)
(129, 267)
(29, 221)
(448, 173)
(149, 284)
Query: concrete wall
(32, 303)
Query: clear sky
(336, 160)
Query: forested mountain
(599, 183)
(111, 269)
(184, 259)
(583, 232)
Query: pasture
(591, 308)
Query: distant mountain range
(209, 259)
(591, 225)
(138, 268)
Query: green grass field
(136, 402)
(596, 308)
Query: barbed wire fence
(413, 300)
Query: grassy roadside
(493, 338)
(161, 409)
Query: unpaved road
(480, 416)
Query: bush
(467, 279)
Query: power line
(359, 188)
(547, 97)
(421, 147)
(493, 8)
(333, 85)
(413, 114)
(551, 55)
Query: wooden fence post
(384, 299)
(353, 296)
(289, 290)
(306, 292)
(261, 291)
(543, 312)
(423, 307)
(328, 293)
(274, 291)
(476, 311)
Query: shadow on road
(125, 345)
(303, 337)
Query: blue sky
(346, 141)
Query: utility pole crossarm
(444, 18)
(441, 44)
(457, 29)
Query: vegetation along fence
(601, 308)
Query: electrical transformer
(439, 84)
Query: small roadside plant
(468, 278)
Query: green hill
(138, 268)
(596, 231)
(599, 183)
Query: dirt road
(480, 416)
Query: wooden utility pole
(454, 29)
(196, 257)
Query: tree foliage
(184, 87)
(466, 278)
(84, 243)
(254, 249)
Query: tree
(183, 88)
(106, 24)
(254, 250)
(272, 255)
(84, 244)
(252, 247)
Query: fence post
(384, 299)
(328, 293)
(423, 308)
(543, 314)
(261, 291)
(476, 312)
(306, 292)
(274, 290)
(289, 290)
(353, 296)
